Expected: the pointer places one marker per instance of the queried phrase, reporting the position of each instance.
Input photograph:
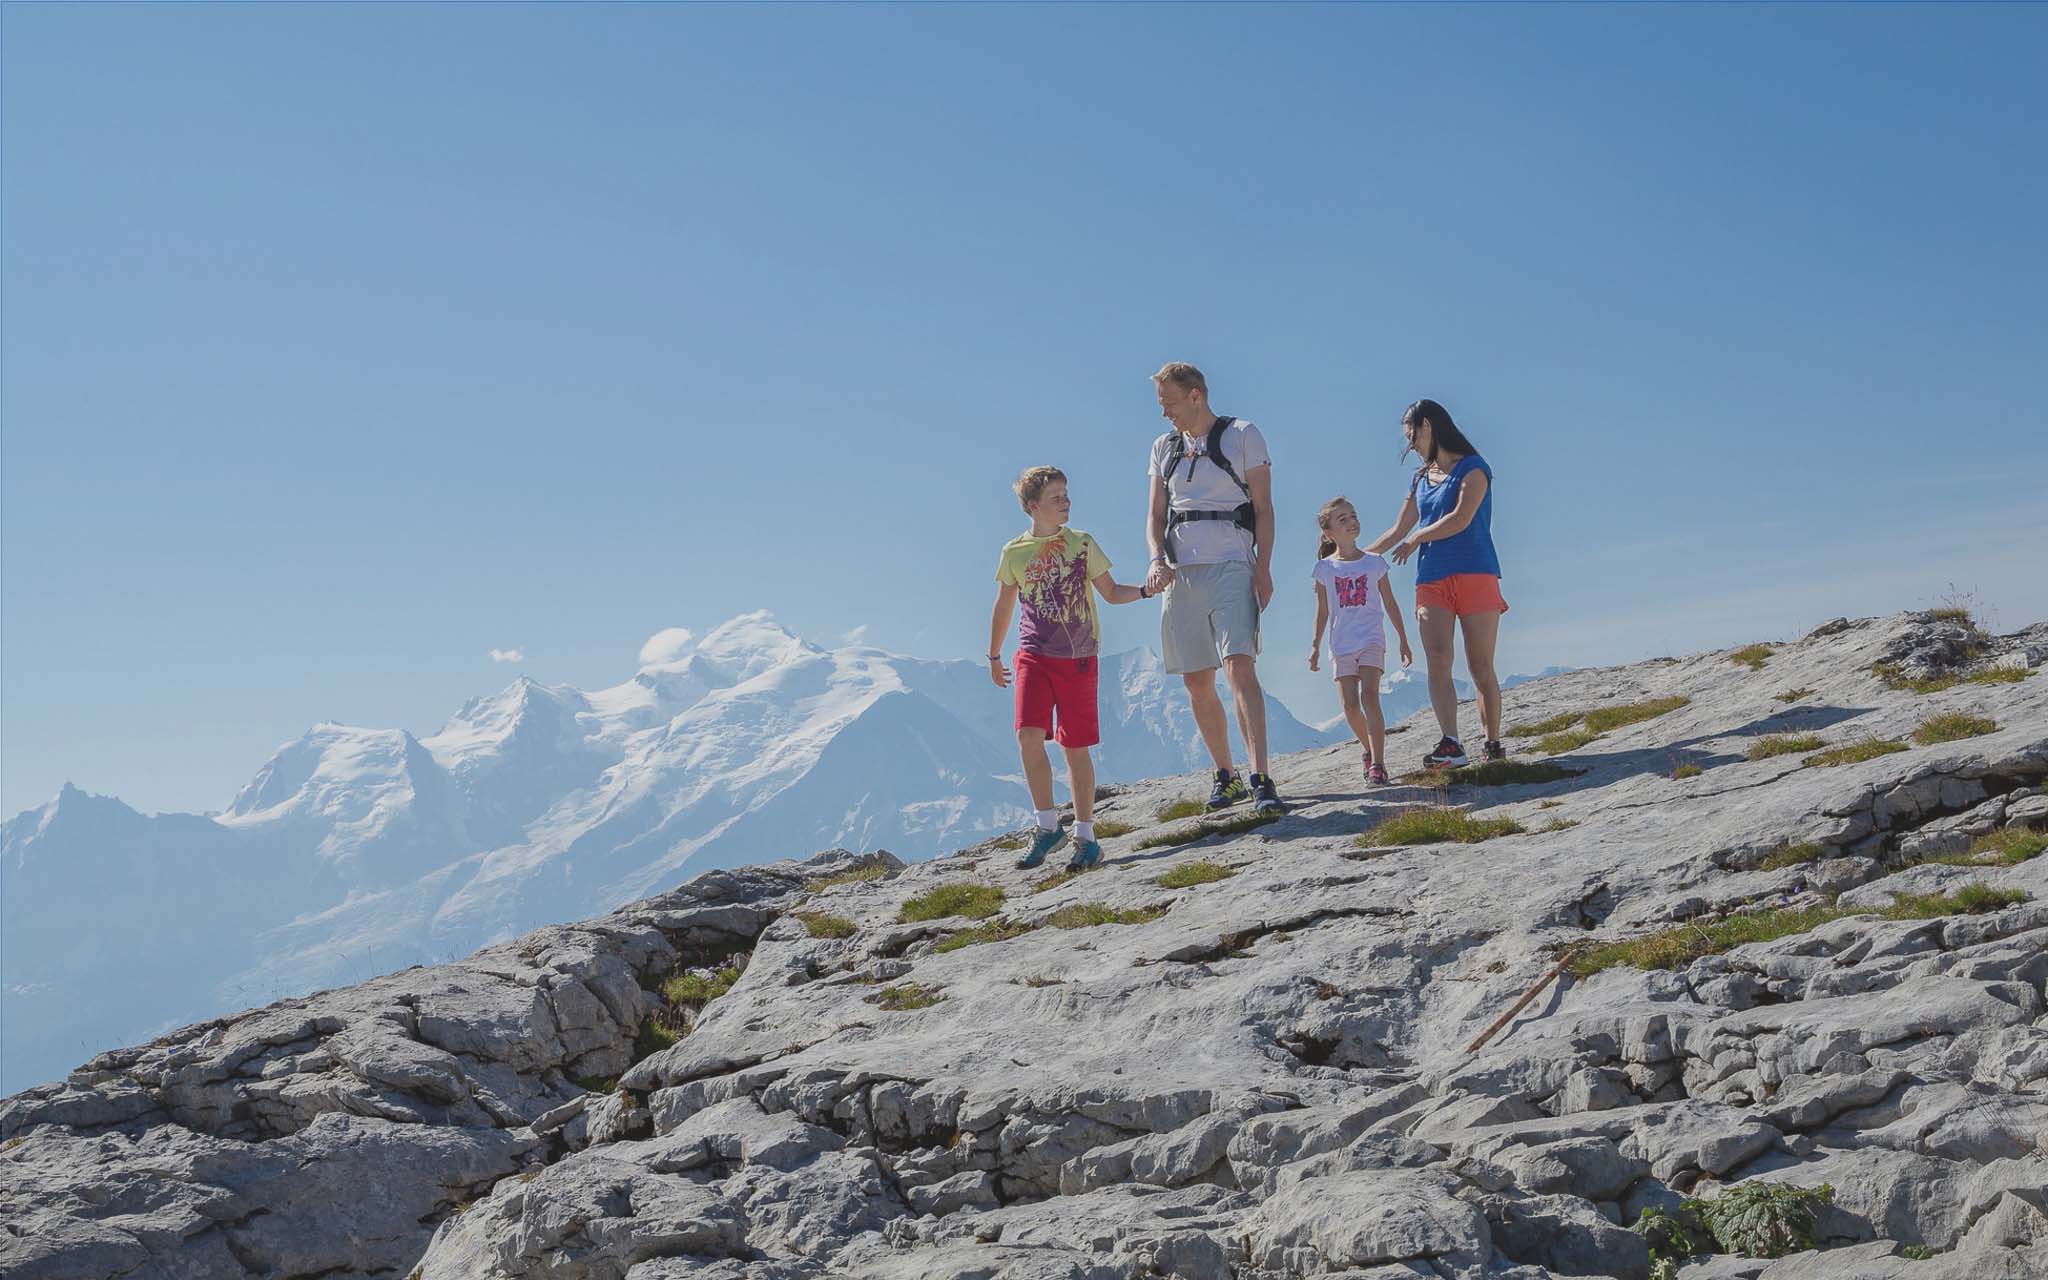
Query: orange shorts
(1462, 593)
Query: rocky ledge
(1784, 898)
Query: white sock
(1048, 819)
(1084, 831)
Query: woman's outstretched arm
(1403, 524)
(1471, 492)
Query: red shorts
(1062, 688)
(1462, 593)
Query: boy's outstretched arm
(998, 627)
(1116, 592)
(1393, 608)
(1315, 643)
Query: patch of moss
(2007, 848)
(1087, 915)
(1496, 773)
(1953, 726)
(907, 996)
(1793, 695)
(1784, 744)
(1793, 855)
(1554, 724)
(993, 931)
(1753, 656)
(1999, 675)
(1970, 900)
(1894, 677)
(859, 875)
(651, 1039)
(1570, 740)
(1110, 829)
(1203, 830)
(1604, 719)
(695, 988)
(962, 898)
(1687, 770)
(1190, 874)
(1055, 880)
(1436, 826)
(823, 924)
(1856, 752)
(1179, 809)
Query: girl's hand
(999, 673)
(1407, 658)
(1402, 552)
(1315, 656)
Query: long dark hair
(1443, 433)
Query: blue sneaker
(1086, 854)
(1043, 843)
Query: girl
(1351, 590)
(1457, 578)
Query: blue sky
(343, 345)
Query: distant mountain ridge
(356, 850)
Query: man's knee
(1201, 684)
(1242, 671)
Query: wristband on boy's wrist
(995, 657)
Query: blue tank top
(1471, 549)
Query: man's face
(1052, 505)
(1182, 405)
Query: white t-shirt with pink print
(1352, 588)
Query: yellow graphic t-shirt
(1051, 575)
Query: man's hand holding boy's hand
(1160, 578)
(999, 673)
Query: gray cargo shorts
(1210, 614)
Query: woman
(1457, 577)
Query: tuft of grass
(1203, 830)
(1015, 840)
(975, 901)
(1110, 828)
(874, 871)
(1784, 744)
(1549, 804)
(1603, 719)
(1793, 855)
(1753, 656)
(1679, 946)
(1188, 875)
(1179, 809)
(1436, 826)
(1953, 726)
(2007, 848)
(1999, 675)
(651, 1039)
(1086, 915)
(823, 924)
(1855, 752)
(1571, 740)
(993, 931)
(1054, 881)
(1916, 1252)
(1498, 773)
(1951, 613)
(1687, 770)
(1555, 724)
(595, 1084)
(1562, 824)
(695, 988)
(1793, 695)
(907, 996)
(1894, 677)
(1037, 980)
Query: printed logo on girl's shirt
(1354, 592)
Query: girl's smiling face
(1343, 521)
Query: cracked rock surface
(1254, 1077)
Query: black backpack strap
(1214, 449)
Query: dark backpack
(1243, 515)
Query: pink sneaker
(1367, 766)
(1377, 776)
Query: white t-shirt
(1352, 588)
(1207, 488)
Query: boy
(1051, 567)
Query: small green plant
(1203, 830)
(1999, 675)
(1496, 773)
(2007, 848)
(1753, 656)
(1855, 752)
(1915, 1252)
(993, 931)
(859, 875)
(1179, 809)
(907, 996)
(651, 1039)
(1970, 900)
(1037, 980)
(1554, 724)
(1015, 840)
(975, 901)
(1570, 740)
(595, 1084)
(1952, 726)
(1761, 1219)
(1054, 881)
(1190, 874)
(1086, 915)
(1550, 804)
(1110, 829)
(1670, 1239)
(823, 924)
(1604, 719)
(1793, 695)
(1784, 744)
(1562, 824)
(1687, 770)
(1894, 677)
(696, 988)
(1436, 826)
(1793, 855)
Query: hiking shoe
(1448, 755)
(1229, 789)
(1086, 854)
(1268, 799)
(1377, 776)
(1045, 842)
(1494, 751)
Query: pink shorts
(1346, 666)
(1462, 593)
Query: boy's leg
(1037, 766)
(1035, 692)
(1375, 720)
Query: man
(1210, 527)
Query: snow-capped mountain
(355, 851)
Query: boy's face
(1052, 505)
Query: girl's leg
(1037, 767)
(1081, 776)
(1482, 632)
(1439, 629)
(1375, 721)
(1347, 697)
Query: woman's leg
(1375, 720)
(1482, 632)
(1347, 697)
(1439, 629)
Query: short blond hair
(1033, 481)
(1183, 375)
